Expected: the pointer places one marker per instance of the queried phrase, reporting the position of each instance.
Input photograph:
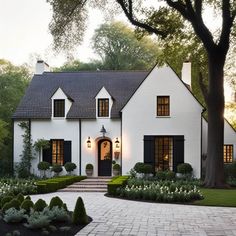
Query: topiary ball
(55, 201)
(69, 166)
(28, 198)
(40, 205)
(20, 197)
(13, 203)
(5, 200)
(27, 205)
(79, 215)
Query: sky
(25, 35)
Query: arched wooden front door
(104, 157)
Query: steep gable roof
(82, 88)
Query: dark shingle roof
(82, 87)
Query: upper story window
(163, 105)
(228, 153)
(59, 108)
(103, 107)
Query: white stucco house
(126, 116)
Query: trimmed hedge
(115, 183)
(52, 185)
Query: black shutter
(178, 151)
(149, 150)
(67, 151)
(47, 154)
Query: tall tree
(13, 81)
(119, 48)
(155, 19)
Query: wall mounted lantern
(103, 131)
(88, 142)
(117, 143)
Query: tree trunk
(215, 105)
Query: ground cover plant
(10, 186)
(20, 216)
(160, 191)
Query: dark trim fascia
(69, 97)
(80, 147)
(106, 90)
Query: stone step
(86, 186)
(89, 183)
(96, 180)
(82, 190)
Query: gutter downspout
(80, 146)
(121, 143)
(12, 161)
(203, 110)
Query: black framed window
(103, 107)
(163, 105)
(59, 108)
(228, 153)
(57, 151)
(163, 153)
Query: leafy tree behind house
(13, 82)
(119, 48)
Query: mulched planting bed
(10, 227)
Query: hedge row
(115, 183)
(52, 185)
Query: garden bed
(9, 228)
(177, 191)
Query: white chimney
(41, 67)
(186, 73)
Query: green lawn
(217, 197)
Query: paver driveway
(121, 217)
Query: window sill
(58, 118)
(163, 116)
(101, 117)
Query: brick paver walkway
(120, 217)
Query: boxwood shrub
(115, 183)
(53, 184)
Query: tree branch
(198, 7)
(128, 10)
(187, 11)
(226, 26)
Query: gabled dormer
(61, 104)
(104, 103)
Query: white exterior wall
(139, 118)
(18, 141)
(91, 128)
(48, 129)
(57, 129)
(229, 136)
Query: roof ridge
(94, 71)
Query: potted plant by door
(89, 169)
(116, 169)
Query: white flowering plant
(160, 191)
(15, 186)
